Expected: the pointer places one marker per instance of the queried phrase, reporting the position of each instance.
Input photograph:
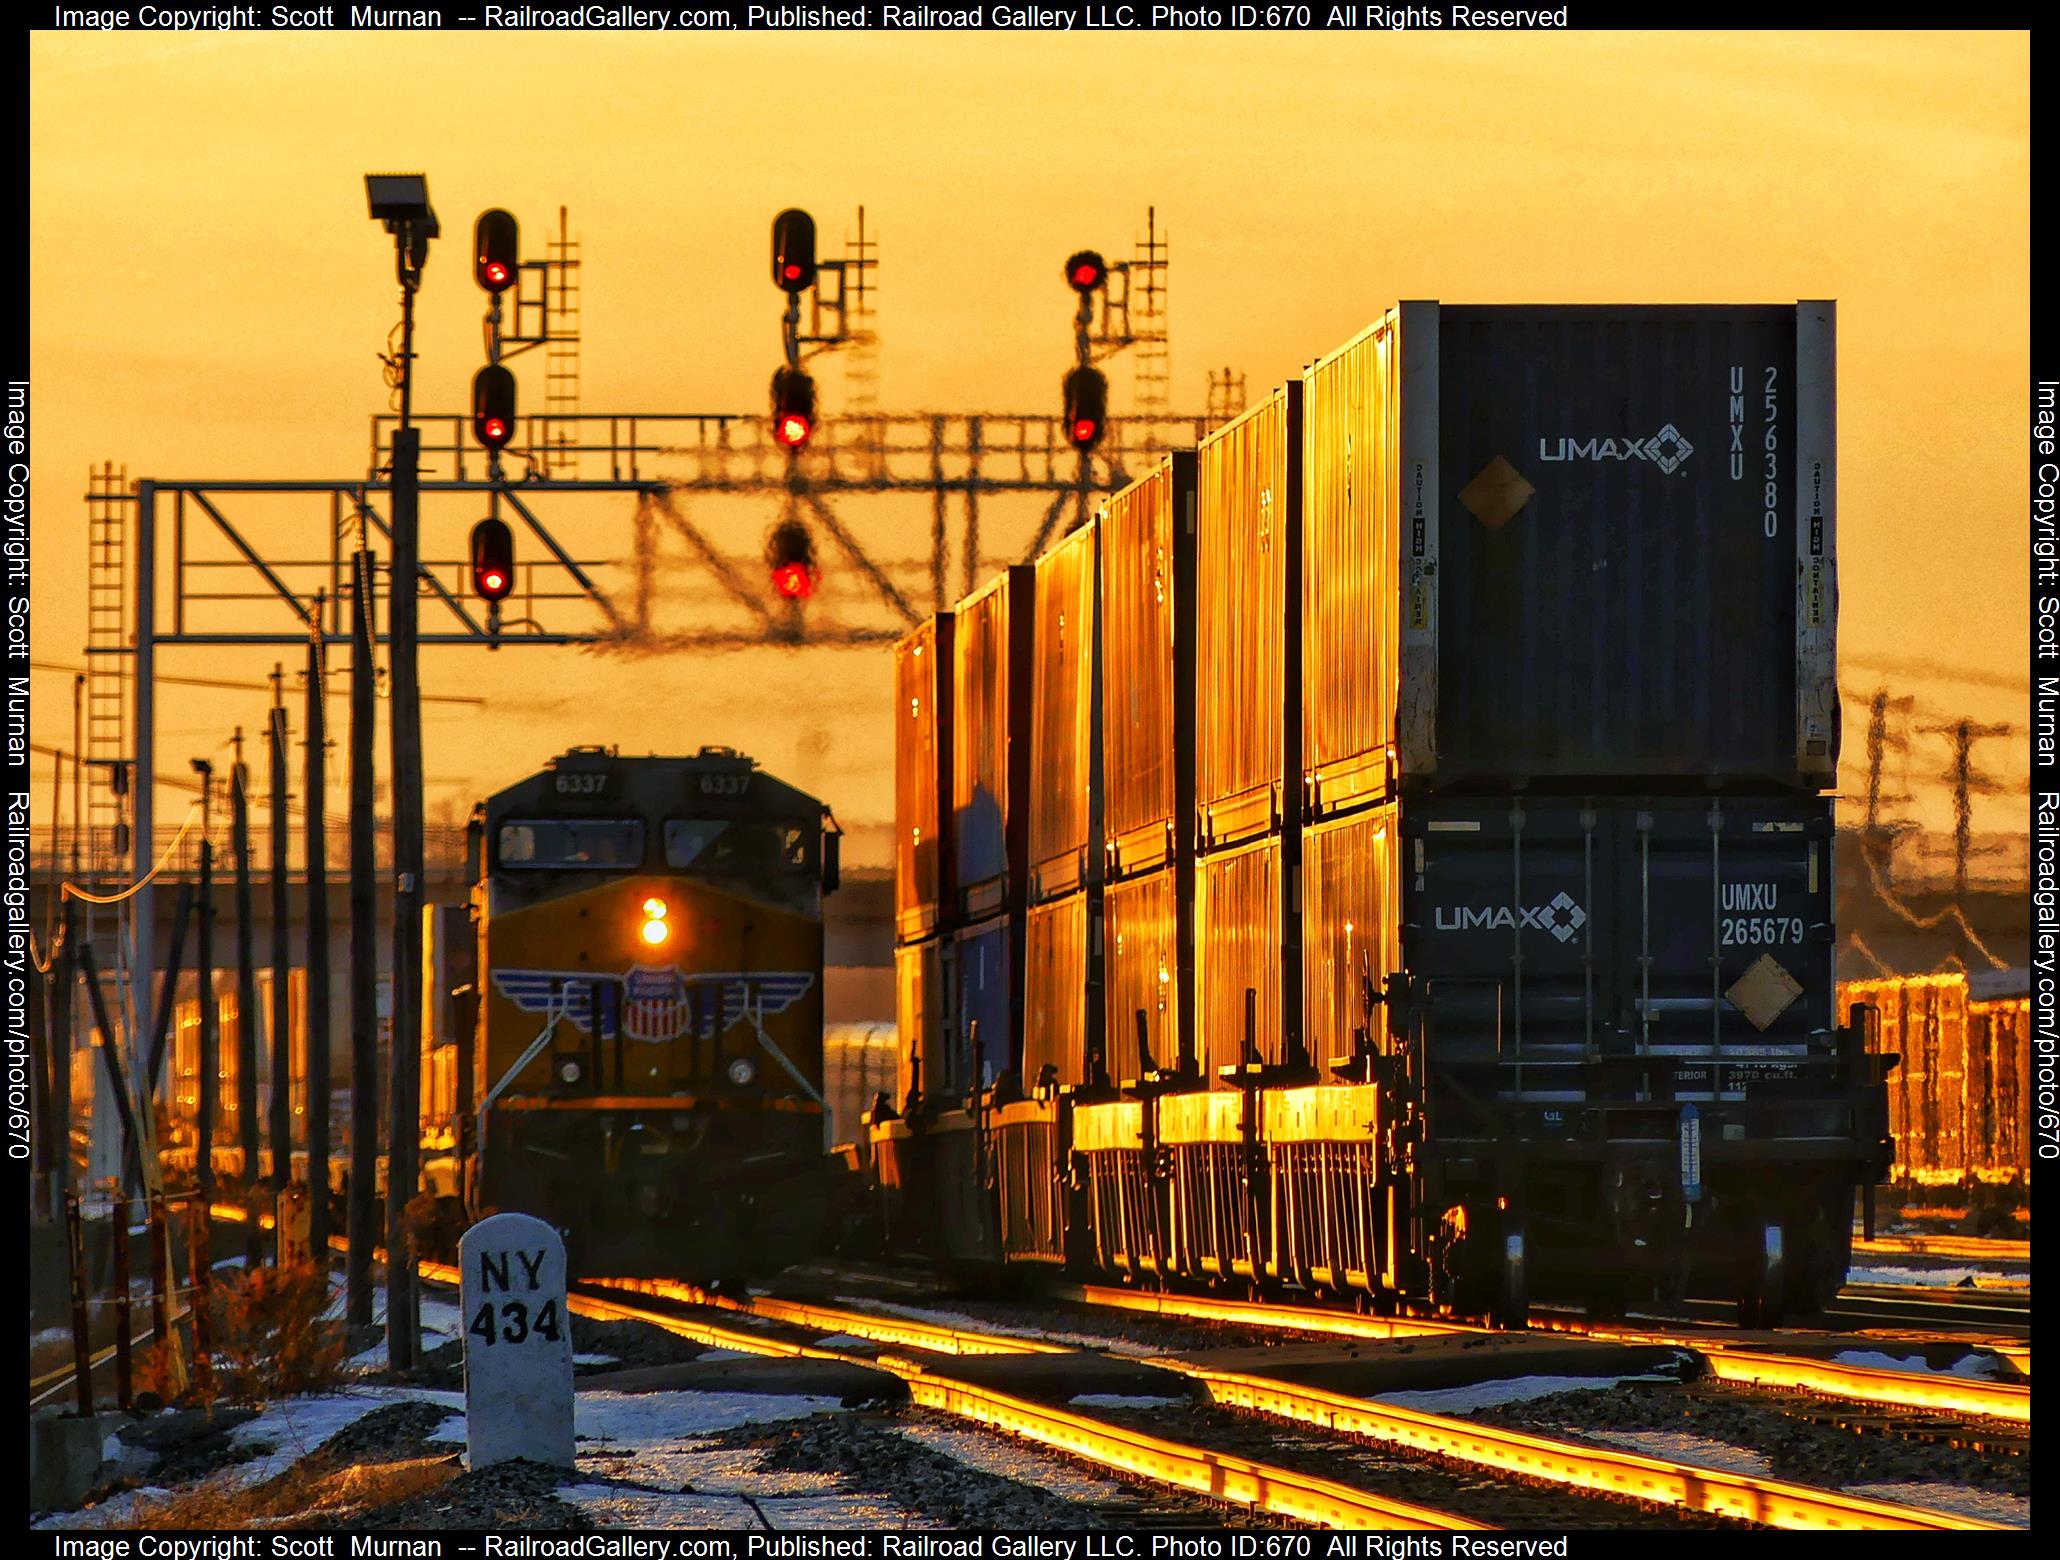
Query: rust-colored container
(990, 744)
(1065, 807)
(1061, 992)
(1958, 1101)
(922, 776)
(1148, 681)
(1244, 942)
(920, 1021)
(1351, 421)
(1248, 650)
(1148, 969)
(1351, 933)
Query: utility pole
(317, 847)
(282, 1007)
(209, 1083)
(246, 998)
(361, 1215)
(402, 202)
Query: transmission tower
(1966, 784)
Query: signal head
(493, 560)
(495, 254)
(493, 406)
(793, 407)
(1086, 407)
(790, 560)
(1086, 271)
(793, 250)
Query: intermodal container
(1562, 545)
(1065, 809)
(920, 1021)
(1550, 931)
(1147, 970)
(990, 742)
(922, 776)
(1061, 991)
(1351, 608)
(987, 983)
(1244, 944)
(1148, 688)
(1247, 647)
(1351, 929)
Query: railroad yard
(1423, 957)
(864, 1398)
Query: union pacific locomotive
(1385, 852)
(645, 1070)
(623, 1028)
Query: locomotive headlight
(742, 1071)
(655, 931)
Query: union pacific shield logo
(655, 1005)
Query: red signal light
(793, 408)
(493, 559)
(495, 250)
(793, 430)
(1087, 407)
(1086, 271)
(493, 406)
(795, 581)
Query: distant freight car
(1960, 1102)
(1466, 885)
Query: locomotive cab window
(738, 848)
(595, 844)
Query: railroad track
(1690, 1487)
(1726, 1361)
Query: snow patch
(1984, 1365)
(1938, 1278)
(1493, 1394)
(1985, 1505)
(1680, 1446)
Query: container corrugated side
(1239, 946)
(986, 978)
(1928, 1022)
(1143, 973)
(1064, 805)
(1057, 1024)
(1148, 693)
(1247, 651)
(1351, 928)
(922, 774)
(990, 629)
(923, 1059)
(1634, 544)
(1351, 556)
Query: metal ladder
(561, 353)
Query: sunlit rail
(1772, 1502)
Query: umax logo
(1666, 449)
(1562, 917)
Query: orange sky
(207, 295)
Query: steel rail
(859, 1324)
(1222, 1476)
(1727, 1362)
(1771, 1502)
